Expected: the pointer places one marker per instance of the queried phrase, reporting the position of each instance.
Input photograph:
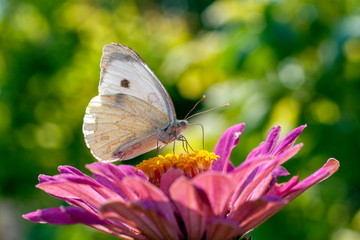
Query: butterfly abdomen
(135, 148)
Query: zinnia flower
(198, 195)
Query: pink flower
(182, 196)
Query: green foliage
(286, 62)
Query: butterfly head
(177, 127)
(180, 126)
(172, 131)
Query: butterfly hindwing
(119, 127)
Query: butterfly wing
(124, 71)
(119, 127)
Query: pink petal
(245, 173)
(192, 206)
(154, 198)
(288, 140)
(261, 188)
(63, 216)
(45, 178)
(117, 173)
(266, 147)
(75, 201)
(137, 215)
(253, 213)
(73, 187)
(218, 188)
(168, 178)
(280, 189)
(110, 176)
(271, 140)
(279, 172)
(73, 215)
(224, 146)
(240, 173)
(70, 170)
(260, 181)
(223, 229)
(64, 171)
(330, 167)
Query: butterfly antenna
(226, 105)
(202, 99)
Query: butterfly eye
(183, 123)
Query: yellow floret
(191, 163)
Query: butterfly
(133, 112)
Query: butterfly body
(133, 113)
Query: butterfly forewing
(119, 127)
(124, 71)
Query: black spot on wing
(125, 83)
(123, 57)
(116, 51)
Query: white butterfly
(133, 112)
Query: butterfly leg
(174, 147)
(185, 143)
(185, 146)
(188, 145)
(157, 147)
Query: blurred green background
(276, 62)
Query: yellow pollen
(191, 164)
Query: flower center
(191, 164)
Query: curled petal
(283, 188)
(45, 178)
(279, 172)
(224, 146)
(330, 167)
